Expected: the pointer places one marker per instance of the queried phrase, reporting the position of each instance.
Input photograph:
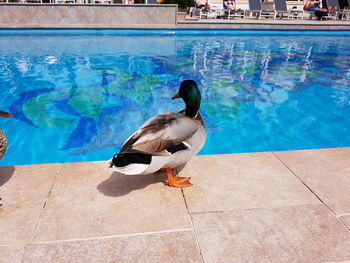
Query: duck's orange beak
(5, 114)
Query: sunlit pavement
(257, 207)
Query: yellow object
(3, 140)
(3, 144)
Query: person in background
(319, 12)
(203, 4)
(311, 5)
(231, 5)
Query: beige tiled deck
(307, 233)
(257, 207)
(346, 220)
(88, 200)
(326, 172)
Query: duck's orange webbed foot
(176, 181)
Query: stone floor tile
(242, 181)
(309, 233)
(11, 254)
(341, 261)
(89, 200)
(23, 192)
(326, 172)
(346, 220)
(167, 247)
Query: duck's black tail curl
(124, 159)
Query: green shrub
(181, 3)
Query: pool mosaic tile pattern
(77, 95)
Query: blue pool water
(78, 94)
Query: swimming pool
(78, 94)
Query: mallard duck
(165, 141)
(3, 140)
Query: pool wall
(14, 15)
(86, 15)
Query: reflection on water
(78, 98)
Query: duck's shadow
(118, 184)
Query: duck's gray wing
(162, 132)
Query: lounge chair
(295, 13)
(194, 11)
(207, 14)
(310, 13)
(64, 1)
(219, 7)
(341, 14)
(345, 12)
(346, 15)
(332, 4)
(281, 10)
(306, 10)
(255, 8)
(232, 14)
(101, 1)
(199, 12)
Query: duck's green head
(5, 114)
(189, 92)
